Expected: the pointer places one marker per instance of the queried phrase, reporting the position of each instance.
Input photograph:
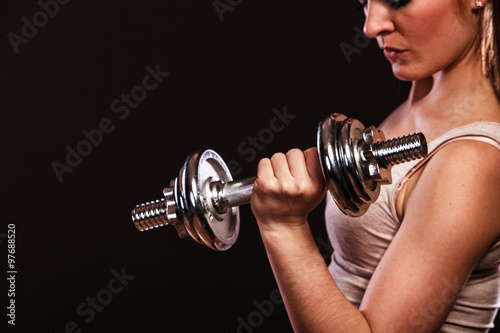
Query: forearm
(314, 302)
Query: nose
(378, 19)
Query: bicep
(451, 218)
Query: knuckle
(294, 189)
(294, 151)
(277, 156)
(263, 164)
(264, 161)
(286, 188)
(262, 187)
(302, 187)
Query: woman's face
(421, 37)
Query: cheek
(429, 31)
(428, 22)
(436, 33)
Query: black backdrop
(224, 69)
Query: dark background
(227, 74)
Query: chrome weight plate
(340, 147)
(201, 168)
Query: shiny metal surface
(357, 160)
(202, 201)
(238, 192)
(217, 231)
(158, 213)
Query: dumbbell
(202, 201)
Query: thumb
(313, 164)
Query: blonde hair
(489, 39)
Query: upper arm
(451, 218)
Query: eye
(396, 4)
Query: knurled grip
(238, 192)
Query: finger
(313, 164)
(265, 169)
(297, 163)
(280, 166)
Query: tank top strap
(487, 132)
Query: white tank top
(359, 243)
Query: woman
(426, 255)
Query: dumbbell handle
(237, 192)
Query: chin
(406, 73)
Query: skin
(449, 219)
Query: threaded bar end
(150, 215)
(399, 150)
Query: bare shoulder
(469, 163)
(460, 184)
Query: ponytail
(490, 39)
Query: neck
(459, 93)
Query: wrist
(288, 244)
(282, 224)
(284, 232)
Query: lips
(393, 53)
